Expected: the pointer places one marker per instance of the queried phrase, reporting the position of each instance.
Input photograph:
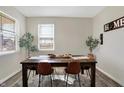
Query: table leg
(93, 75)
(24, 75)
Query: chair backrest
(74, 68)
(44, 68)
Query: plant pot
(91, 56)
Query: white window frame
(39, 40)
(11, 51)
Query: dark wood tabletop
(46, 58)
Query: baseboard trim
(109, 76)
(2, 81)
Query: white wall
(10, 64)
(70, 33)
(110, 55)
(70, 37)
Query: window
(7, 34)
(46, 36)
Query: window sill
(46, 49)
(8, 52)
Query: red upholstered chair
(44, 69)
(74, 69)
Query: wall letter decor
(118, 23)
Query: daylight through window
(46, 36)
(7, 34)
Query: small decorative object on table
(64, 56)
(60, 56)
(92, 57)
(52, 55)
(92, 43)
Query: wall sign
(101, 38)
(118, 23)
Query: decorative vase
(91, 55)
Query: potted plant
(26, 42)
(92, 43)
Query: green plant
(92, 43)
(26, 42)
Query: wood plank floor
(101, 81)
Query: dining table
(59, 62)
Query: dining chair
(74, 69)
(44, 69)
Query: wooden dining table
(58, 62)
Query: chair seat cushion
(70, 72)
(47, 72)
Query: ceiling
(60, 11)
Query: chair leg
(51, 80)
(42, 81)
(89, 74)
(75, 77)
(29, 74)
(53, 76)
(79, 80)
(67, 80)
(65, 76)
(33, 72)
(39, 81)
